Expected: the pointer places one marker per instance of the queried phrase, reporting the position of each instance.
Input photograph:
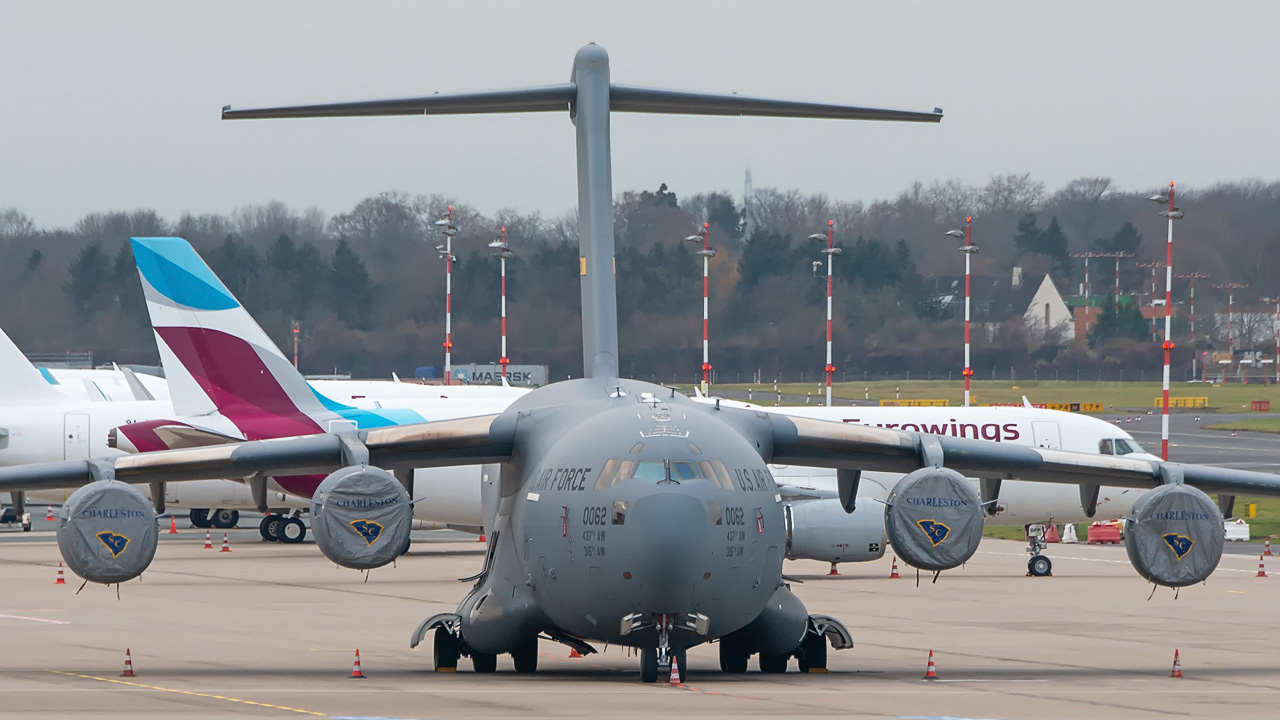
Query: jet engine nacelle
(1174, 536)
(107, 532)
(361, 517)
(933, 519)
(822, 530)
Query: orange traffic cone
(355, 668)
(61, 580)
(833, 570)
(894, 575)
(1266, 547)
(48, 514)
(1177, 665)
(675, 671)
(483, 539)
(208, 540)
(173, 525)
(128, 664)
(1262, 570)
(225, 546)
(931, 673)
(573, 653)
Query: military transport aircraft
(628, 514)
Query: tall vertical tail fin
(215, 356)
(20, 382)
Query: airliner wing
(819, 443)
(466, 441)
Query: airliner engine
(1174, 536)
(107, 532)
(934, 519)
(822, 530)
(361, 517)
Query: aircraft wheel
(292, 530)
(200, 518)
(733, 658)
(483, 662)
(445, 651)
(525, 656)
(1039, 566)
(680, 655)
(224, 519)
(813, 654)
(270, 527)
(773, 663)
(649, 665)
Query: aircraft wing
(820, 443)
(466, 441)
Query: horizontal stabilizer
(626, 98)
(550, 98)
(535, 99)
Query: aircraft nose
(670, 548)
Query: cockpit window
(654, 471)
(721, 475)
(1106, 447)
(607, 474)
(684, 471)
(1124, 447)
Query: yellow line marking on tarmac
(189, 692)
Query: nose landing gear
(656, 659)
(1038, 565)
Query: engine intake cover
(1174, 536)
(361, 517)
(934, 519)
(107, 532)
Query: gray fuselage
(623, 500)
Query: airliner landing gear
(270, 527)
(1038, 565)
(224, 519)
(292, 530)
(200, 518)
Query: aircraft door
(1047, 435)
(75, 436)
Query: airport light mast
(1086, 256)
(830, 251)
(503, 252)
(448, 229)
(1231, 289)
(968, 249)
(707, 253)
(1192, 304)
(1153, 266)
(1173, 213)
(1275, 300)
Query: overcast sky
(111, 106)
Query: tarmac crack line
(190, 692)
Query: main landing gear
(448, 647)
(1038, 565)
(220, 518)
(280, 528)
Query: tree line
(367, 286)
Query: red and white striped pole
(1173, 213)
(830, 252)
(504, 252)
(707, 253)
(1275, 300)
(969, 250)
(446, 226)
